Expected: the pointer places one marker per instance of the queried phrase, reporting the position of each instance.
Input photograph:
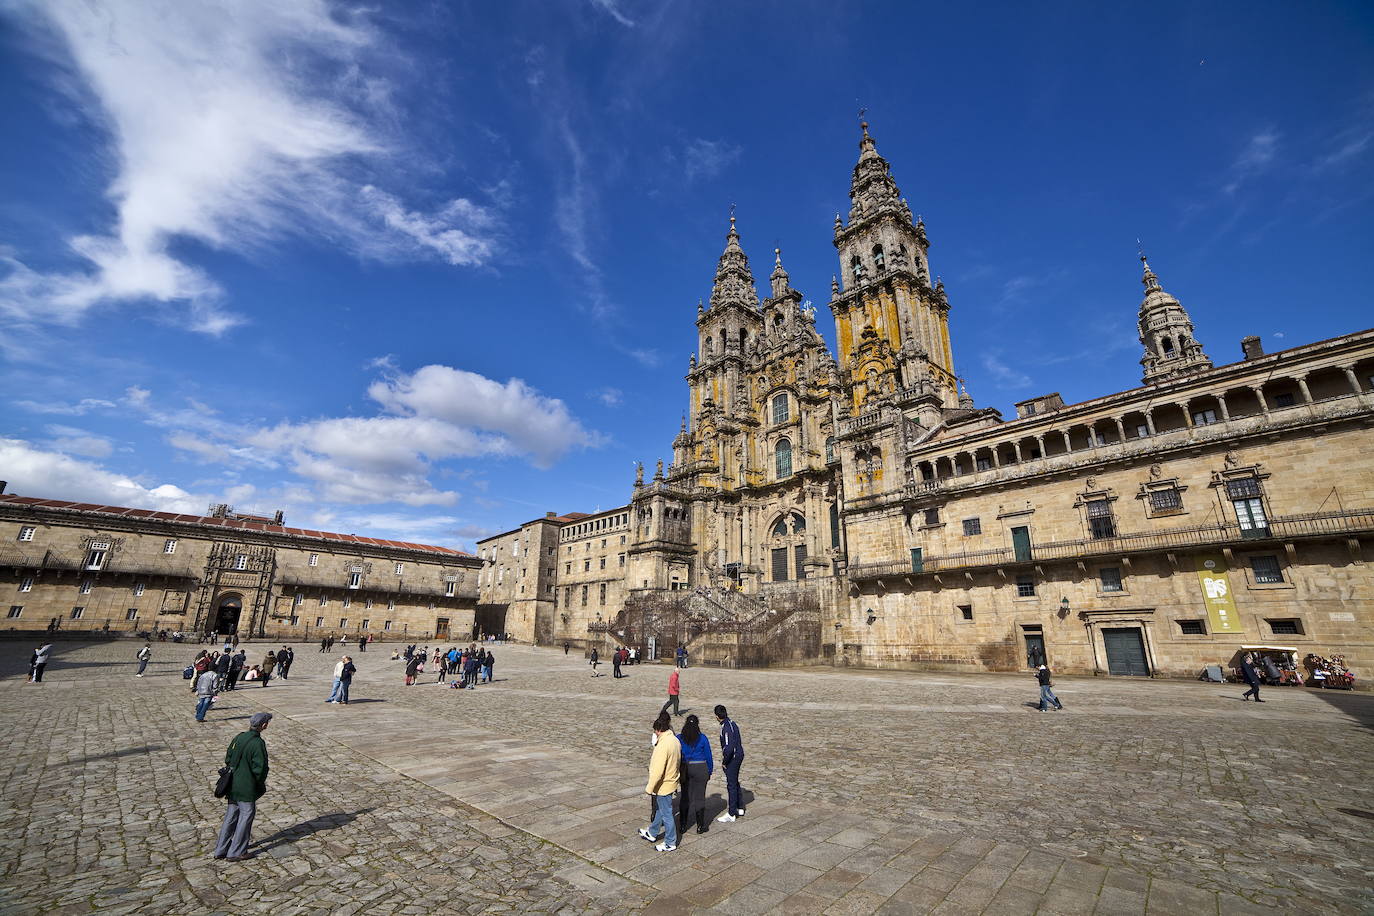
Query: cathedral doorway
(227, 614)
(787, 547)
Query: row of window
(582, 529)
(587, 564)
(604, 541)
(27, 532)
(568, 594)
(1282, 626)
(1266, 571)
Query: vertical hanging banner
(1216, 592)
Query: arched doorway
(227, 614)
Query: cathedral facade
(858, 508)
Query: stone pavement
(875, 792)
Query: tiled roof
(210, 521)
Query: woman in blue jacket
(697, 767)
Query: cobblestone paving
(886, 792)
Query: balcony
(861, 422)
(338, 585)
(115, 566)
(1286, 528)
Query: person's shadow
(309, 828)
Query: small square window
(932, 516)
(586, 565)
(319, 621)
(400, 568)
(241, 561)
(386, 625)
(324, 601)
(1192, 628)
(965, 612)
(982, 464)
(343, 623)
(1285, 399)
(78, 613)
(1025, 586)
(295, 621)
(16, 610)
(298, 600)
(26, 533)
(314, 559)
(1166, 500)
(85, 587)
(347, 602)
(355, 580)
(1243, 488)
(1267, 570)
(391, 605)
(1110, 577)
(366, 623)
(603, 562)
(449, 589)
(972, 526)
(138, 590)
(26, 585)
(1287, 627)
(1204, 417)
(131, 614)
(169, 545)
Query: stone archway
(227, 611)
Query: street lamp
(1064, 607)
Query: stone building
(861, 509)
(79, 566)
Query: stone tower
(892, 325)
(1171, 350)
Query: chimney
(546, 514)
(1251, 347)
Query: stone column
(1068, 443)
(1149, 423)
(1016, 447)
(1302, 386)
(1187, 415)
(1352, 378)
(1221, 405)
(1120, 429)
(1040, 441)
(1263, 402)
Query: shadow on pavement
(1359, 707)
(309, 828)
(124, 752)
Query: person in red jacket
(674, 690)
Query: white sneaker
(647, 835)
(726, 818)
(664, 847)
(741, 813)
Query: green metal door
(1021, 544)
(916, 562)
(1125, 652)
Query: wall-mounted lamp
(872, 616)
(838, 625)
(1064, 607)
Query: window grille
(1267, 570)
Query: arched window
(902, 255)
(829, 449)
(1168, 346)
(710, 346)
(782, 457)
(879, 259)
(781, 410)
(856, 267)
(743, 339)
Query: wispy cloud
(612, 9)
(1001, 374)
(707, 158)
(72, 441)
(1255, 157)
(232, 124)
(611, 397)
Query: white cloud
(612, 8)
(32, 471)
(611, 397)
(234, 122)
(73, 441)
(532, 423)
(84, 406)
(1256, 157)
(707, 158)
(1003, 375)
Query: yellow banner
(1216, 593)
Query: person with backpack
(143, 656)
(1042, 676)
(247, 760)
(222, 669)
(731, 759)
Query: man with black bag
(242, 782)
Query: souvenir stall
(1328, 672)
(1277, 666)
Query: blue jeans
(343, 690)
(202, 707)
(664, 820)
(142, 665)
(1047, 696)
(732, 791)
(340, 691)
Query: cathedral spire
(872, 189)
(779, 279)
(734, 284)
(1167, 333)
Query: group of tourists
(682, 764)
(327, 642)
(462, 668)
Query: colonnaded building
(862, 509)
(81, 566)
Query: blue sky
(429, 270)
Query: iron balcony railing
(340, 586)
(50, 560)
(1291, 527)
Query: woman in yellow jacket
(664, 769)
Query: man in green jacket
(247, 757)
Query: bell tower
(1171, 350)
(891, 324)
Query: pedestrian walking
(664, 778)
(1042, 675)
(697, 767)
(222, 669)
(285, 658)
(207, 685)
(247, 757)
(143, 656)
(265, 669)
(324, 644)
(491, 667)
(1247, 671)
(412, 669)
(362, 643)
(470, 672)
(566, 647)
(236, 665)
(731, 759)
(595, 659)
(674, 691)
(615, 663)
